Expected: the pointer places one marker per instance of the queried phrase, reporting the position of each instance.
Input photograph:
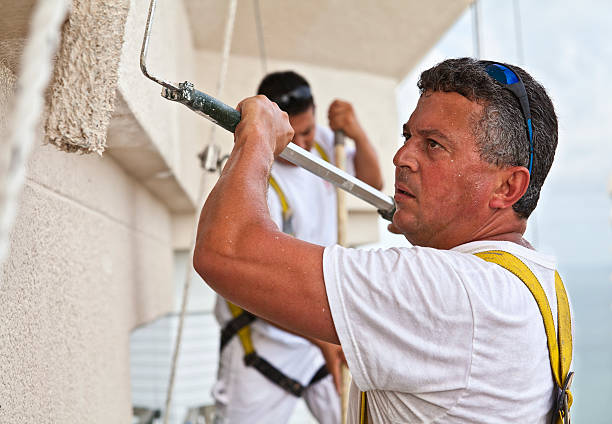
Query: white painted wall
(90, 259)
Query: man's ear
(512, 186)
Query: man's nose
(405, 157)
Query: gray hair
(501, 133)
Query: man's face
(304, 126)
(442, 186)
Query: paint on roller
(87, 62)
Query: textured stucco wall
(91, 258)
(7, 83)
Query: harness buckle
(562, 402)
(288, 222)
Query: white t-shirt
(312, 199)
(441, 336)
(313, 202)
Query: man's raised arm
(239, 251)
(342, 117)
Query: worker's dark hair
(501, 133)
(289, 90)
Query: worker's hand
(262, 121)
(334, 358)
(342, 117)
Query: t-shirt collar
(510, 247)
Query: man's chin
(407, 228)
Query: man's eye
(432, 143)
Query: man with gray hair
(471, 324)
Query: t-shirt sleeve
(403, 318)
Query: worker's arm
(241, 253)
(334, 358)
(342, 117)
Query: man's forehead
(305, 118)
(444, 111)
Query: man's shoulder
(415, 259)
(459, 263)
(524, 253)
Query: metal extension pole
(227, 117)
(340, 153)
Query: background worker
(432, 333)
(303, 206)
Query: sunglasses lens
(501, 74)
(513, 83)
(299, 94)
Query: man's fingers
(264, 116)
(336, 373)
(338, 381)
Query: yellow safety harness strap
(321, 152)
(233, 326)
(252, 359)
(363, 408)
(564, 323)
(240, 324)
(281, 196)
(559, 344)
(287, 213)
(245, 332)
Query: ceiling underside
(384, 37)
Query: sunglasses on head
(299, 93)
(513, 83)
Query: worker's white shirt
(441, 336)
(313, 202)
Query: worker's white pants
(242, 395)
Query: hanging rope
(189, 274)
(260, 37)
(518, 31)
(227, 43)
(29, 99)
(342, 220)
(476, 28)
(520, 57)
